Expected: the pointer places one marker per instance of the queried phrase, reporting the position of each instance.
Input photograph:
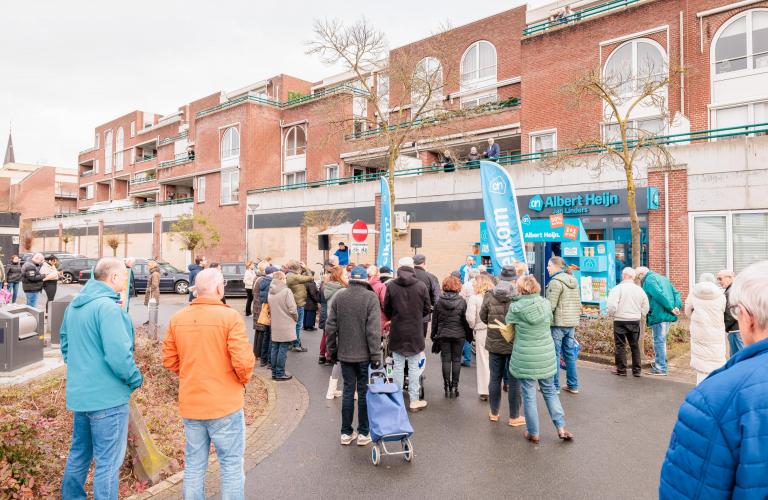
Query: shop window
(230, 187)
(296, 142)
(200, 189)
(478, 66)
(230, 143)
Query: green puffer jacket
(565, 299)
(663, 298)
(296, 283)
(533, 352)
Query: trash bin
(56, 317)
(21, 337)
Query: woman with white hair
(468, 288)
(705, 306)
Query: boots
(455, 388)
(333, 392)
(448, 389)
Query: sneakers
(516, 422)
(418, 405)
(333, 391)
(328, 362)
(283, 378)
(298, 348)
(655, 373)
(363, 440)
(321, 361)
(345, 439)
(568, 389)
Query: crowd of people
(369, 316)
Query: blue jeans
(467, 353)
(355, 379)
(660, 332)
(278, 357)
(101, 435)
(32, 298)
(228, 436)
(550, 398)
(299, 324)
(14, 288)
(498, 366)
(564, 342)
(398, 373)
(735, 342)
(266, 344)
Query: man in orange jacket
(206, 345)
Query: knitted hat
(385, 271)
(457, 274)
(358, 273)
(270, 269)
(508, 273)
(405, 262)
(419, 259)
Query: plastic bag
(5, 296)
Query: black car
(72, 267)
(171, 279)
(233, 272)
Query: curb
(286, 405)
(605, 359)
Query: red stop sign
(359, 231)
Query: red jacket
(381, 290)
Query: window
(230, 187)
(295, 178)
(200, 189)
(710, 245)
(119, 160)
(133, 129)
(479, 64)
(96, 142)
(750, 239)
(89, 192)
(427, 85)
(295, 142)
(108, 152)
(96, 166)
(382, 90)
(230, 143)
(131, 156)
(478, 100)
(229, 269)
(545, 140)
(632, 64)
(119, 139)
(733, 118)
(742, 43)
(635, 128)
(332, 172)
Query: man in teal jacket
(97, 345)
(665, 304)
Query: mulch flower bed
(36, 427)
(596, 336)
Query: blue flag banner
(385, 228)
(502, 217)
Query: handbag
(507, 331)
(264, 317)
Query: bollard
(153, 311)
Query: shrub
(596, 336)
(25, 453)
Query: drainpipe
(666, 223)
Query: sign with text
(571, 232)
(359, 231)
(357, 247)
(502, 217)
(556, 220)
(384, 257)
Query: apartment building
(258, 158)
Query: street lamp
(87, 221)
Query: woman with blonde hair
(248, 279)
(474, 304)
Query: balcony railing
(85, 151)
(82, 198)
(140, 159)
(66, 193)
(177, 161)
(88, 173)
(148, 178)
(702, 135)
(174, 138)
(120, 209)
(299, 100)
(491, 106)
(65, 210)
(578, 16)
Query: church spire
(9, 157)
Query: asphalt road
(621, 427)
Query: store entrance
(623, 239)
(539, 254)
(595, 234)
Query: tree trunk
(634, 220)
(391, 182)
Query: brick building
(245, 157)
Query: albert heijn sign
(604, 202)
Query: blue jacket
(264, 289)
(719, 446)
(343, 256)
(493, 151)
(194, 270)
(97, 345)
(663, 298)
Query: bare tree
(626, 143)
(317, 221)
(66, 238)
(28, 235)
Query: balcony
(83, 198)
(87, 173)
(178, 201)
(576, 16)
(65, 210)
(168, 140)
(66, 193)
(85, 151)
(141, 159)
(139, 179)
(177, 161)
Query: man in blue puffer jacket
(719, 446)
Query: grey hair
(106, 267)
(207, 280)
(372, 271)
(482, 268)
(642, 270)
(629, 273)
(130, 259)
(749, 290)
(708, 278)
(333, 260)
(473, 273)
(38, 254)
(294, 265)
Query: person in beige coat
(284, 314)
(474, 304)
(153, 283)
(705, 306)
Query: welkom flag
(502, 217)
(385, 228)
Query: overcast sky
(69, 66)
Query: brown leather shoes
(564, 434)
(535, 439)
(614, 371)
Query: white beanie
(405, 262)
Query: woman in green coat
(533, 356)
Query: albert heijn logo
(498, 186)
(536, 203)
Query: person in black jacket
(31, 279)
(13, 276)
(310, 308)
(450, 328)
(325, 358)
(406, 302)
(429, 279)
(735, 343)
(258, 328)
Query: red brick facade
(678, 228)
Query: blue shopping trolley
(387, 416)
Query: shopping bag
(576, 349)
(5, 296)
(264, 317)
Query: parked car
(72, 267)
(25, 256)
(233, 278)
(171, 279)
